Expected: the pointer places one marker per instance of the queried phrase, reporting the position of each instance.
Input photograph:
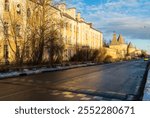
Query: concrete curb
(146, 93)
(27, 72)
(44, 70)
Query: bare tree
(14, 35)
(54, 43)
(32, 31)
(44, 25)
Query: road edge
(143, 83)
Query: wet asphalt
(110, 82)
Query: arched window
(6, 53)
(18, 9)
(18, 29)
(28, 12)
(6, 7)
(6, 28)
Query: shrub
(109, 59)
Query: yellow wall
(76, 32)
(122, 50)
(11, 16)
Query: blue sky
(131, 18)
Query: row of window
(70, 26)
(6, 29)
(7, 7)
(6, 51)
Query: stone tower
(114, 40)
(121, 40)
(131, 49)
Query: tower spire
(114, 40)
(121, 40)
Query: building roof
(121, 40)
(130, 45)
(67, 15)
(114, 40)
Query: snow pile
(146, 96)
(40, 70)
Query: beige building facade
(10, 12)
(77, 33)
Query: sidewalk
(40, 70)
(146, 96)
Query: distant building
(119, 49)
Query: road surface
(116, 81)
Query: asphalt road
(117, 81)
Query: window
(28, 12)
(66, 53)
(6, 51)
(18, 9)
(6, 5)
(38, 16)
(40, 1)
(86, 36)
(0, 47)
(6, 28)
(69, 53)
(67, 25)
(66, 40)
(18, 51)
(70, 27)
(27, 51)
(18, 30)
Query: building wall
(121, 50)
(76, 32)
(11, 17)
(1, 30)
(131, 50)
(111, 52)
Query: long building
(76, 33)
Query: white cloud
(128, 17)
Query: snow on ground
(146, 96)
(40, 70)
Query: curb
(145, 92)
(143, 83)
(34, 72)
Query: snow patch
(40, 70)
